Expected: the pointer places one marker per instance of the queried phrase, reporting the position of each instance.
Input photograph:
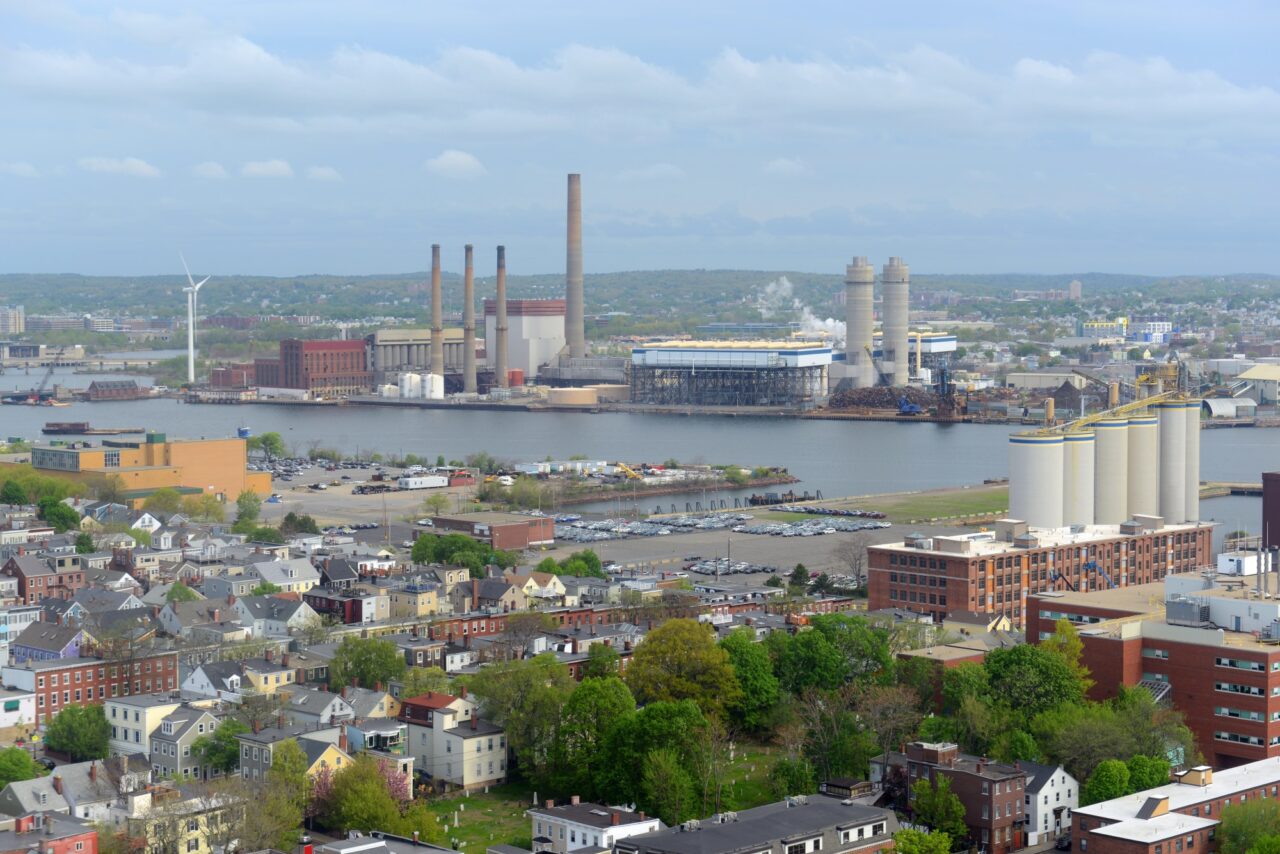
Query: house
(178, 817)
(14, 619)
(351, 606)
(229, 584)
(589, 590)
(173, 751)
(315, 706)
(47, 832)
(541, 589)
(451, 746)
(307, 666)
(17, 709)
(266, 675)
(92, 600)
(86, 790)
(291, 575)
(458, 657)
(177, 619)
(61, 682)
(798, 825)
(40, 578)
(134, 719)
(576, 825)
(339, 573)
(1051, 797)
(272, 616)
(324, 748)
(371, 703)
(488, 594)
(418, 599)
(386, 738)
(158, 595)
(418, 649)
(44, 641)
(219, 680)
(450, 577)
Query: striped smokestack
(500, 326)
(575, 335)
(469, 325)
(437, 314)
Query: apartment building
(90, 681)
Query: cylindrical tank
(859, 290)
(1144, 467)
(433, 386)
(611, 392)
(410, 385)
(1173, 460)
(243, 432)
(1111, 471)
(895, 284)
(1049, 404)
(1193, 461)
(388, 390)
(1113, 395)
(515, 377)
(573, 397)
(1078, 478)
(1035, 479)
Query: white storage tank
(1144, 466)
(1077, 478)
(388, 390)
(433, 386)
(1193, 461)
(1111, 471)
(1035, 479)
(410, 385)
(1172, 416)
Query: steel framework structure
(727, 386)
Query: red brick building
(505, 531)
(48, 833)
(266, 373)
(58, 683)
(1271, 509)
(325, 367)
(42, 578)
(995, 572)
(241, 375)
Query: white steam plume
(778, 298)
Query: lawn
(939, 504)
(747, 783)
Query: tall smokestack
(469, 325)
(859, 288)
(437, 314)
(895, 282)
(500, 326)
(575, 333)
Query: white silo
(1173, 460)
(1144, 466)
(1111, 471)
(410, 385)
(1193, 461)
(433, 386)
(388, 390)
(1035, 479)
(1078, 479)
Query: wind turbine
(193, 296)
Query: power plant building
(730, 373)
(535, 332)
(395, 350)
(864, 366)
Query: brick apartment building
(48, 833)
(240, 375)
(1198, 644)
(992, 792)
(995, 572)
(325, 367)
(63, 682)
(41, 578)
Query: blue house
(45, 641)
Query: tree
(360, 799)
(270, 445)
(680, 660)
(219, 750)
(265, 588)
(523, 628)
(79, 732)
(658, 726)
(791, 776)
(1109, 780)
(1032, 679)
(365, 662)
(1066, 644)
(754, 672)
(939, 808)
(292, 524)
(891, 712)
(59, 515)
(265, 534)
(248, 506)
(180, 592)
(1246, 824)
(204, 507)
(911, 841)
(807, 660)
(666, 786)
(800, 576)
(591, 711)
(435, 504)
(109, 489)
(423, 680)
(12, 493)
(967, 679)
(84, 543)
(865, 647)
(526, 697)
(602, 661)
(1147, 772)
(165, 501)
(16, 764)
(286, 790)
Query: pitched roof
(219, 672)
(311, 702)
(592, 815)
(30, 565)
(364, 701)
(49, 637)
(1038, 776)
(94, 599)
(270, 607)
(429, 700)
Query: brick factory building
(993, 572)
(506, 531)
(325, 367)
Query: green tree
(59, 515)
(365, 662)
(602, 661)
(203, 507)
(967, 679)
(79, 732)
(677, 726)
(1266, 845)
(1032, 679)
(591, 711)
(666, 786)
(360, 800)
(939, 808)
(865, 647)
(791, 775)
(12, 493)
(283, 799)
(754, 672)
(1147, 772)
(270, 445)
(248, 506)
(1246, 825)
(84, 543)
(266, 534)
(1109, 780)
(164, 502)
(219, 749)
(180, 592)
(1066, 644)
(16, 764)
(800, 577)
(265, 588)
(526, 697)
(423, 680)
(911, 841)
(292, 524)
(807, 660)
(680, 660)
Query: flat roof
(778, 344)
(1155, 829)
(985, 544)
(1226, 783)
(493, 517)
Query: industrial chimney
(500, 326)
(469, 325)
(575, 334)
(895, 281)
(437, 314)
(859, 287)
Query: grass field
(498, 816)
(938, 504)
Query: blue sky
(298, 137)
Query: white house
(268, 616)
(1051, 796)
(17, 708)
(295, 575)
(585, 825)
(218, 679)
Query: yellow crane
(1117, 412)
(629, 472)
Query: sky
(283, 138)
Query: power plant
(575, 333)
(1137, 462)
(468, 323)
(500, 327)
(892, 367)
(437, 314)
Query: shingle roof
(49, 637)
(270, 607)
(1038, 776)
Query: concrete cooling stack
(895, 355)
(1119, 468)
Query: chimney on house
(231, 598)
(615, 818)
(217, 615)
(463, 692)
(284, 659)
(57, 783)
(257, 727)
(642, 815)
(342, 739)
(574, 800)
(93, 772)
(474, 724)
(280, 720)
(269, 654)
(466, 641)
(550, 805)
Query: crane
(628, 471)
(37, 393)
(885, 379)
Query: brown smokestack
(469, 325)
(575, 335)
(437, 314)
(500, 326)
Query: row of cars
(723, 566)
(809, 527)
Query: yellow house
(414, 601)
(321, 755)
(267, 677)
(537, 586)
(168, 819)
(192, 466)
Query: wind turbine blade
(190, 280)
(201, 282)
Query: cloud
(455, 164)
(131, 166)
(653, 172)
(209, 169)
(323, 173)
(267, 169)
(19, 169)
(784, 166)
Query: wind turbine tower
(193, 295)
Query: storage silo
(1078, 478)
(1173, 460)
(1144, 466)
(1193, 461)
(433, 386)
(410, 385)
(1111, 471)
(1035, 479)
